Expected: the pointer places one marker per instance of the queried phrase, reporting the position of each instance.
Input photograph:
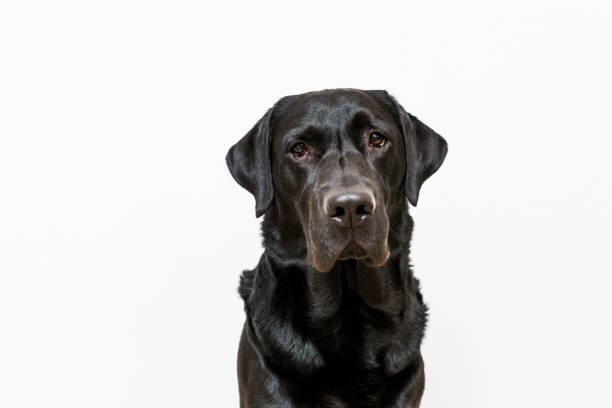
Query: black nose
(350, 209)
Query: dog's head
(334, 165)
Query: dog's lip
(352, 251)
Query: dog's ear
(250, 164)
(425, 151)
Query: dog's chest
(356, 369)
(354, 391)
(326, 342)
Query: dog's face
(333, 163)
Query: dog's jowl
(334, 315)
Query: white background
(122, 234)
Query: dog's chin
(374, 257)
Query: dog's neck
(314, 319)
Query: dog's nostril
(339, 212)
(362, 210)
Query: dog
(334, 315)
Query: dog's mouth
(374, 256)
(352, 251)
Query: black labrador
(335, 317)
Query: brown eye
(377, 140)
(299, 149)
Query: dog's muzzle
(348, 222)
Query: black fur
(349, 337)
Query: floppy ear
(425, 151)
(249, 163)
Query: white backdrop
(122, 235)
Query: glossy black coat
(325, 328)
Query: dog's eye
(377, 140)
(299, 149)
